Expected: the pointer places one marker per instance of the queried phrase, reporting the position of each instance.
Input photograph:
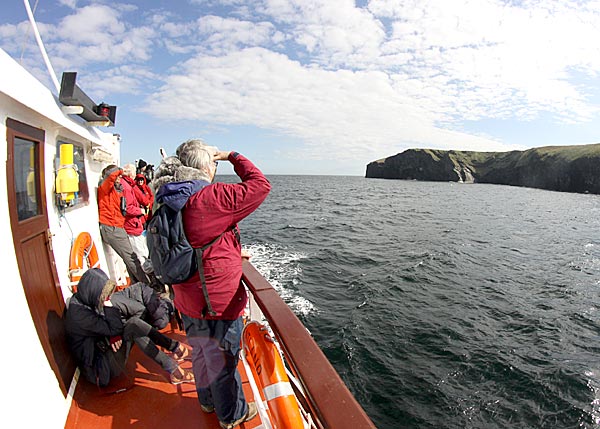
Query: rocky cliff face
(556, 168)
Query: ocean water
(443, 305)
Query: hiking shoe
(250, 414)
(182, 353)
(207, 408)
(181, 375)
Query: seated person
(141, 300)
(100, 336)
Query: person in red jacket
(134, 215)
(112, 207)
(212, 210)
(144, 195)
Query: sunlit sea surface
(442, 305)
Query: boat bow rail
(326, 395)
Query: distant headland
(556, 168)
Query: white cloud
(496, 51)
(94, 36)
(334, 32)
(91, 25)
(223, 34)
(352, 113)
(69, 3)
(127, 79)
(395, 75)
(363, 81)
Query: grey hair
(129, 170)
(196, 154)
(193, 162)
(107, 290)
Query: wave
(281, 268)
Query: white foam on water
(280, 267)
(594, 386)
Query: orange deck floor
(144, 398)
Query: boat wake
(282, 269)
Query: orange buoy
(83, 249)
(269, 372)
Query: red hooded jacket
(144, 195)
(216, 209)
(134, 219)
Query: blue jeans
(215, 355)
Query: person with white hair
(213, 323)
(135, 215)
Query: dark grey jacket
(140, 300)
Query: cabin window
(83, 195)
(26, 178)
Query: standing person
(141, 166)
(144, 195)
(211, 211)
(146, 169)
(100, 333)
(134, 214)
(112, 207)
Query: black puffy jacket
(86, 326)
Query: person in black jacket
(100, 336)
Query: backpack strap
(199, 252)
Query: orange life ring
(83, 249)
(269, 372)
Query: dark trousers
(146, 337)
(117, 239)
(215, 355)
(110, 364)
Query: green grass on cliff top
(566, 153)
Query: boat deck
(143, 397)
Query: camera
(123, 206)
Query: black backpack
(173, 258)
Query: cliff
(556, 168)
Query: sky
(325, 86)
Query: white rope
(260, 405)
(41, 46)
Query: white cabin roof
(17, 83)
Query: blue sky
(325, 86)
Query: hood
(174, 183)
(140, 176)
(177, 194)
(129, 180)
(91, 286)
(171, 170)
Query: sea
(442, 305)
